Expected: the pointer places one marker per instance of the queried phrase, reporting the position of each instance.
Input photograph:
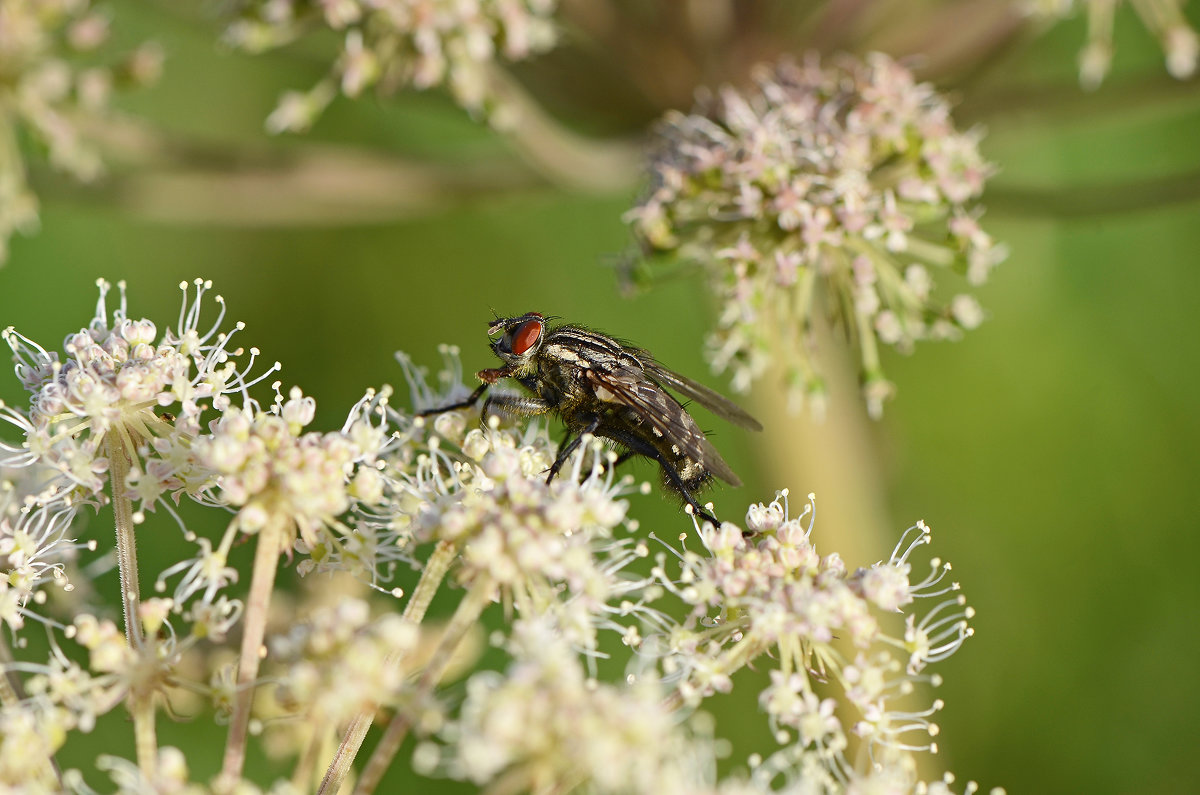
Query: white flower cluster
(95, 407)
(336, 661)
(62, 695)
(510, 522)
(34, 548)
(544, 725)
(464, 504)
(267, 467)
(52, 86)
(771, 593)
(391, 44)
(846, 179)
(111, 381)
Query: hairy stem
(145, 734)
(431, 579)
(262, 583)
(118, 469)
(141, 704)
(468, 612)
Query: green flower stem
(835, 458)
(557, 153)
(262, 583)
(11, 691)
(465, 617)
(145, 734)
(118, 469)
(141, 704)
(431, 579)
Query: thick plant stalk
(559, 154)
(141, 703)
(836, 458)
(414, 612)
(262, 583)
(467, 614)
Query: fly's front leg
(568, 446)
(488, 377)
(462, 404)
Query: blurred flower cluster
(468, 507)
(56, 82)
(1163, 18)
(840, 187)
(393, 44)
(545, 722)
(769, 593)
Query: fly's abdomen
(691, 470)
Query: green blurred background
(1055, 451)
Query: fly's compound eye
(525, 336)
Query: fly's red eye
(526, 336)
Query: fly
(599, 385)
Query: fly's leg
(640, 447)
(487, 377)
(462, 404)
(568, 446)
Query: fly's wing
(626, 384)
(716, 403)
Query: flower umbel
(825, 186)
(111, 381)
(266, 466)
(397, 45)
(34, 551)
(771, 593)
(845, 652)
(544, 725)
(52, 88)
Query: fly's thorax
(583, 348)
(570, 353)
(554, 381)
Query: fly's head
(519, 341)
